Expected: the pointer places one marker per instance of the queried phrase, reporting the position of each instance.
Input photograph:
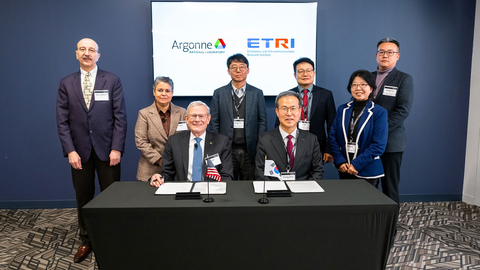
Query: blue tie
(197, 161)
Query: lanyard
(354, 122)
(292, 154)
(239, 102)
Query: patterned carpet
(440, 235)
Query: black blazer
(322, 112)
(308, 158)
(398, 107)
(175, 156)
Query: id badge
(101, 95)
(215, 159)
(287, 176)
(182, 125)
(390, 91)
(304, 125)
(351, 148)
(238, 123)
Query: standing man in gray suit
(394, 93)
(239, 112)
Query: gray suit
(175, 156)
(256, 115)
(308, 158)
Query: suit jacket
(371, 139)
(150, 137)
(175, 156)
(322, 112)
(256, 115)
(308, 162)
(398, 107)
(103, 127)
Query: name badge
(352, 148)
(182, 125)
(101, 95)
(238, 123)
(287, 176)
(304, 125)
(215, 159)
(390, 91)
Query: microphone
(196, 145)
(163, 120)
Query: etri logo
(265, 43)
(220, 41)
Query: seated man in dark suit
(293, 150)
(183, 158)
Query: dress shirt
(93, 76)
(285, 138)
(310, 97)
(191, 147)
(241, 90)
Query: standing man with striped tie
(92, 126)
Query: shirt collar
(93, 72)
(285, 134)
(300, 89)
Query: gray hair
(288, 94)
(164, 79)
(198, 103)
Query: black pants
(84, 184)
(243, 168)
(391, 166)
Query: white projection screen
(192, 41)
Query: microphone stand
(208, 199)
(263, 200)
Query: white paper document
(172, 188)
(269, 185)
(304, 186)
(215, 187)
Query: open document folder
(170, 188)
(294, 186)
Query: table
(349, 226)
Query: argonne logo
(220, 41)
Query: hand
(327, 158)
(352, 170)
(343, 168)
(157, 180)
(114, 157)
(75, 160)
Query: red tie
(289, 150)
(305, 105)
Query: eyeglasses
(355, 85)
(200, 116)
(308, 71)
(284, 110)
(388, 53)
(241, 68)
(90, 50)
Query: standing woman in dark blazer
(360, 131)
(155, 124)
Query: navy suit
(398, 108)
(92, 133)
(322, 112)
(371, 139)
(175, 156)
(308, 162)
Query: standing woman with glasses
(154, 125)
(360, 131)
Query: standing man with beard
(92, 126)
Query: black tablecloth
(349, 226)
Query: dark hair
(237, 58)
(303, 60)
(367, 76)
(389, 40)
(287, 94)
(164, 79)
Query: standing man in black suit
(394, 93)
(239, 112)
(318, 105)
(294, 151)
(92, 126)
(183, 158)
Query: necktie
(197, 161)
(305, 105)
(290, 149)
(87, 90)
